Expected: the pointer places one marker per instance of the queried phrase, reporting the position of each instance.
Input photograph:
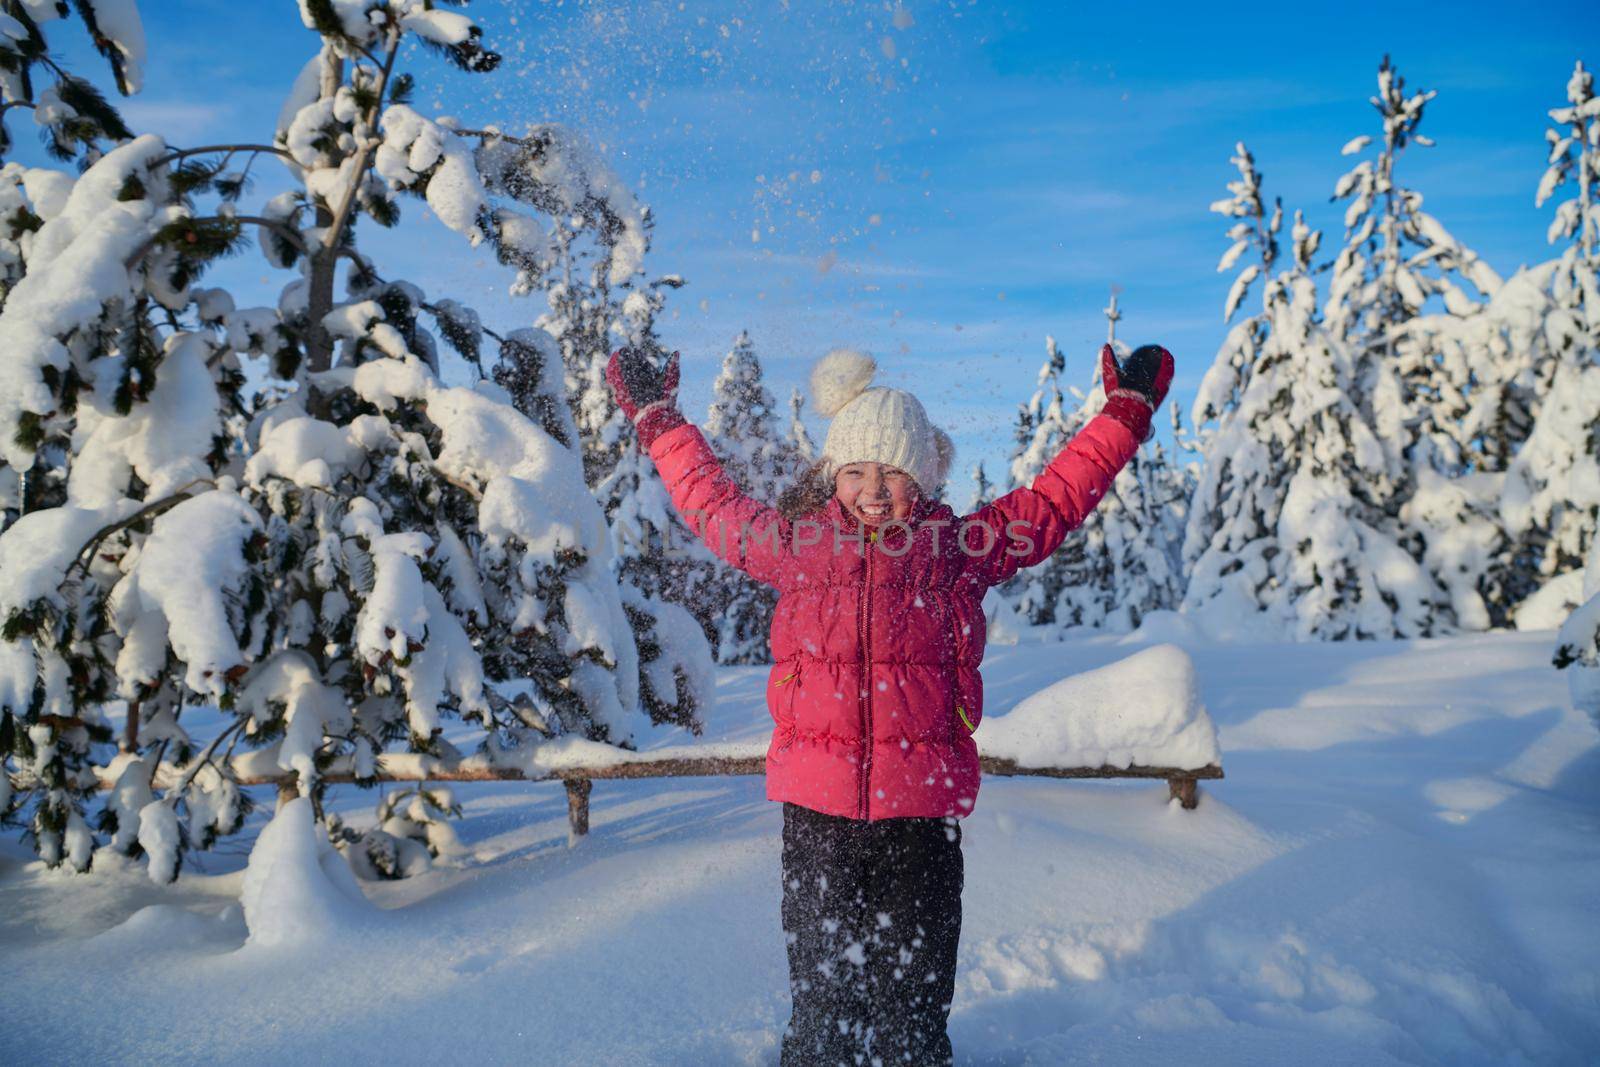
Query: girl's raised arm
(1024, 527)
(741, 530)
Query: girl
(874, 689)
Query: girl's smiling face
(875, 493)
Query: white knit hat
(879, 425)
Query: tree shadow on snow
(625, 816)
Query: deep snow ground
(1402, 866)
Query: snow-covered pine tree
(91, 263)
(1286, 524)
(591, 273)
(1551, 501)
(742, 428)
(1574, 159)
(1345, 576)
(983, 490)
(1396, 256)
(1043, 427)
(129, 416)
(1144, 534)
(660, 558)
(1247, 447)
(1504, 352)
(590, 268)
(741, 409)
(334, 565)
(1122, 563)
(801, 446)
(1136, 532)
(1414, 388)
(77, 123)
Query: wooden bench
(1182, 784)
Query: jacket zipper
(866, 677)
(777, 721)
(955, 660)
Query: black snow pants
(872, 916)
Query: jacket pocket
(967, 714)
(781, 698)
(969, 701)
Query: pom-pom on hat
(877, 425)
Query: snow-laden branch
(236, 222)
(185, 153)
(149, 511)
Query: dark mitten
(1136, 386)
(646, 395)
(1147, 371)
(636, 383)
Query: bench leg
(578, 790)
(1185, 790)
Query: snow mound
(1140, 711)
(172, 929)
(297, 890)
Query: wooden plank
(579, 781)
(703, 767)
(1008, 768)
(712, 766)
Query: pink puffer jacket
(877, 637)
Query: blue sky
(946, 185)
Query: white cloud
(175, 121)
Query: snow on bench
(1139, 717)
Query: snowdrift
(1144, 711)
(298, 891)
